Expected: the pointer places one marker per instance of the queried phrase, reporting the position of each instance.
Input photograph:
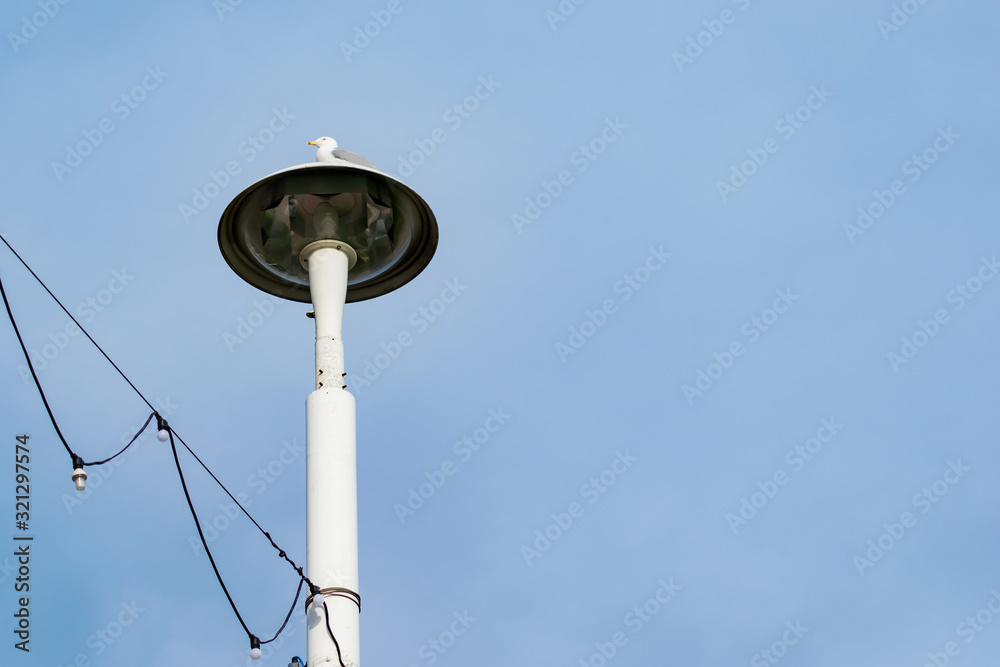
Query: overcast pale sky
(703, 371)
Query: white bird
(327, 151)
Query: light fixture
(385, 224)
(329, 233)
(162, 434)
(79, 474)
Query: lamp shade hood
(389, 226)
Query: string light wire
(122, 451)
(31, 367)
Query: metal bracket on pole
(336, 590)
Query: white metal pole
(331, 468)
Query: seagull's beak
(311, 143)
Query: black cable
(302, 578)
(298, 591)
(201, 534)
(31, 367)
(281, 552)
(326, 612)
(136, 437)
(99, 348)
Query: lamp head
(388, 225)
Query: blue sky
(723, 270)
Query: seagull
(327, 151)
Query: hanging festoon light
(162, 434)
(79, 474)
(329, 233)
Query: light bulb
(254, 648)
(255, 653)
(162, 434)
(80, 478)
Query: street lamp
(329, 233)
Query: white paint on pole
(331, 467)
